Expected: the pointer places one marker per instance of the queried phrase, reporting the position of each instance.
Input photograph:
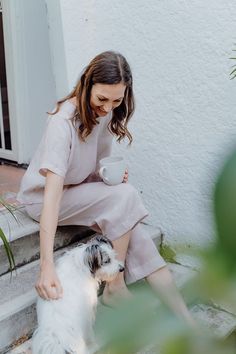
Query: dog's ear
(103, 239)
(93, 257)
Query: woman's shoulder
(62, 114)
(67, 108)
(62, 119)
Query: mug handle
(100, 172)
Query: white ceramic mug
(112, 170)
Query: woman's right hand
(48, 285)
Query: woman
(61, 186)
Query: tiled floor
(10, 178)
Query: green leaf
(9, 207)
(9, 253)
(225, 207)
(168, 253)
(233, 71)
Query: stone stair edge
(19, 226)
(22, 225)
(17, 304)
(8, 280)
(26, 248)
(20, 305)
(25, 274)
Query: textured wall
(185, 118)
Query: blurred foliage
(144, 322)
(233, 72)
(167, 253)
(9, 208)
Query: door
(28, 88)
(6, 143)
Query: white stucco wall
(185, 118)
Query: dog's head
(100, 258)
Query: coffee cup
(112, 170)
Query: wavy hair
(106, 68)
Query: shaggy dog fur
(66, 325)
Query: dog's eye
(107, 261)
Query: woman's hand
(126, 176)
(48, 285)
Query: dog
(66, 325)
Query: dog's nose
(121, 268)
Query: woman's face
(105, 97)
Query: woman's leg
(144, 261)
(163, 284)
(117, 288)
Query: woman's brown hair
(106, 68)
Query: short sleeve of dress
(56, 146)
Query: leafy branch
(233, 72)
(3, 237)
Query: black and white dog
(66, 325)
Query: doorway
(28, 89)
(5, 126)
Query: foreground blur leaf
(225, 214)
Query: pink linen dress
(86, 200)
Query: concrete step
(218, 317)
(23, 235)
(18, 297)
(17, 303)
(221, 323)
(24, 348)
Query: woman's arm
(48, 285)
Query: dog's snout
(121, 268)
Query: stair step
(24, 348)
(27, 302)
(181, 274)
(220, 322)
(228, 306)
(18, 297)
(17, 303)
(23, 235)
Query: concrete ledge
(17, 302)
(220, 322)
(24, 238)
(18, 225)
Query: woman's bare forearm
(49, 216)
(48, 225)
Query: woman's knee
(124, 193)
(125, 190)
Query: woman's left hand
(126, 176)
